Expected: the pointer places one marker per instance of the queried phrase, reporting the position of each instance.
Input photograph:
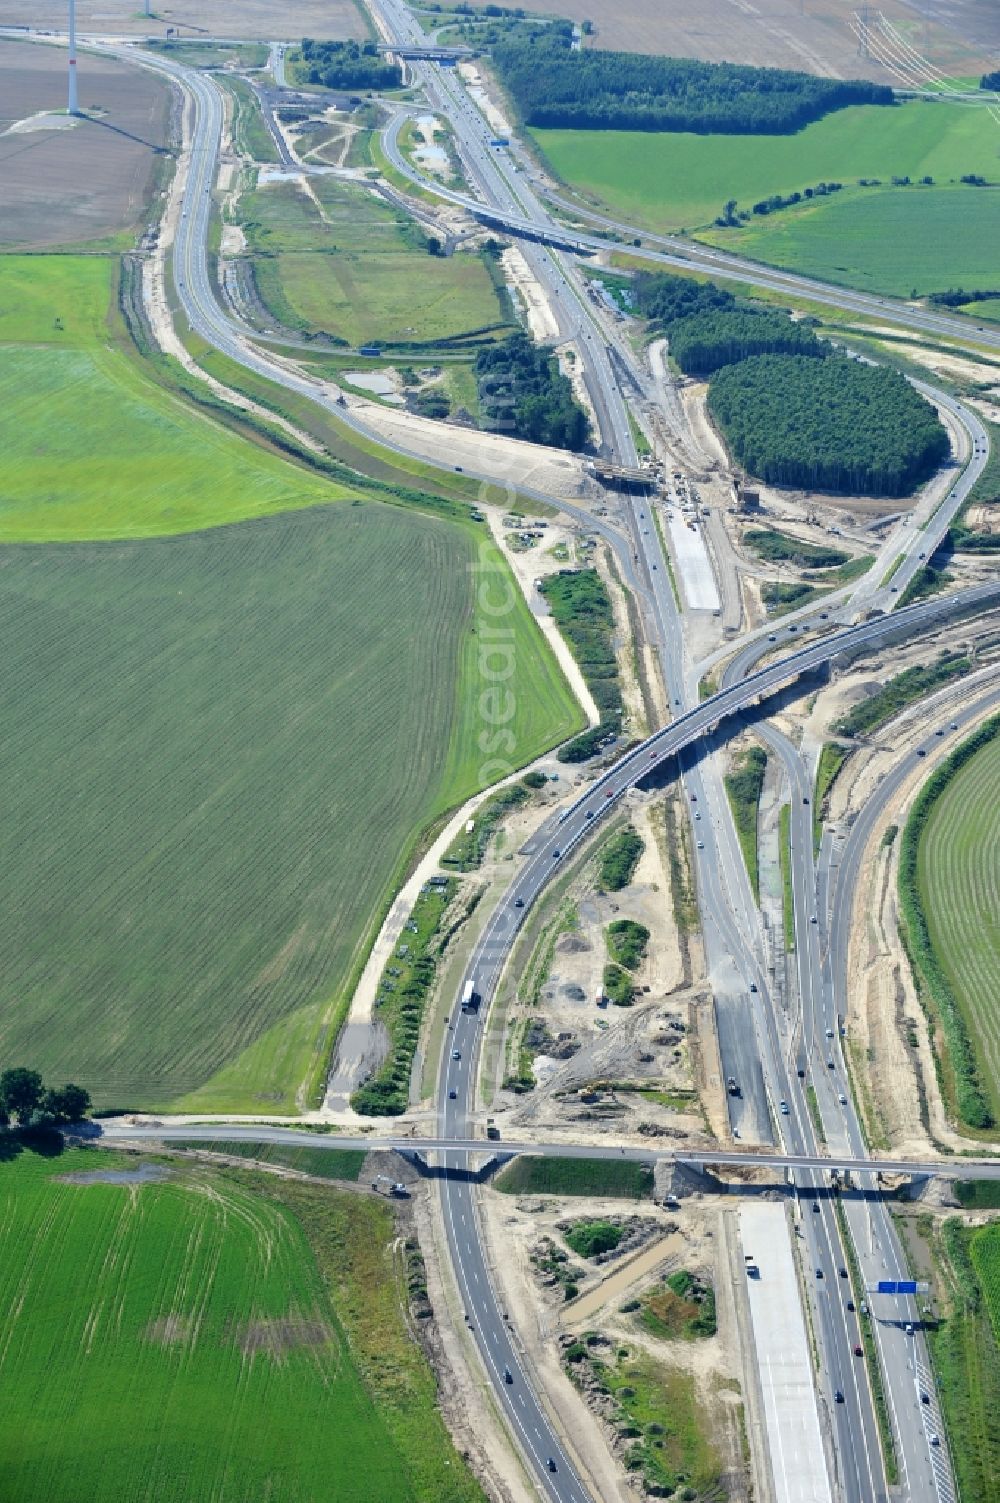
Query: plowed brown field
(958, 36)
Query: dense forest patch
(832, 425)
(523, 392)
(554, 85)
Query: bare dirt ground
(248, 19)
(959, 37)
(63, 182)
(691, 1238)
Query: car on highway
(953, 726)
(842, 1099)
(456, 1054)
(843, 1273)
(829, 1064)
(701, 845)
(556, 854)
(753, 986)
(452, 1095)
(813, 919)
(858, 1352)
(819, 1273)
(839, 1396)
(551, 1464)
(590, 813)
(518, 902)
(829, 1033)
(934, 1440)
(697, 814)
(850, 1306)
(508, 1376)
(784, 1108)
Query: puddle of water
(142, 1174)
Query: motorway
(731, 926)
(118, 1129)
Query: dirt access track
(67, 182)
(282, 20)
(958, 36)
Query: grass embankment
(900, 237)
(779, 548)
(466, 852)
(785, 863)
(905, 689)
(618, 859)
(251, 136)
(180, 793)
(358, 270)
(831, 759)
(581, 607)
(978, 1194)
(403, 989)
(220, 1334)
(683, 1306)
(743, 788)
(656, 1414)
(965, 1352)
(321, 1163)
(536, 1175)
(947, 891)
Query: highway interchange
(771, 1050)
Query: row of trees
(523, 392)
(25, 1099)
(555, 85)
(832, 425)
(347, 65)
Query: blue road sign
(896, 1286)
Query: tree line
(26, 1100)
(833, 425)
(347, 65)
(581, 607)
(523, 392)
(555, 85)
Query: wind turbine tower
(74, 103)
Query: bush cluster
(25, 1099)
(523, 392)
(348, 65)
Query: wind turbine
(73, 105)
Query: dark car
(508, 1376)
(858, 1352)
(843, 1273)
(552, 1464)
(839, 1396)
(452, 1095)
(850, 1305)
(819, 1271)
(518, 902)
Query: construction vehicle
(396, 1187)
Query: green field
(94, 448)
(885, 240)
(535, 1175)
(219, 751)
(959, 890)
(352, 267)
(675, 180)
(213, 1335)
(931, 238)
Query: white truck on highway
(470, 998)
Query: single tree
(21, 1091)
(70, 1103)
